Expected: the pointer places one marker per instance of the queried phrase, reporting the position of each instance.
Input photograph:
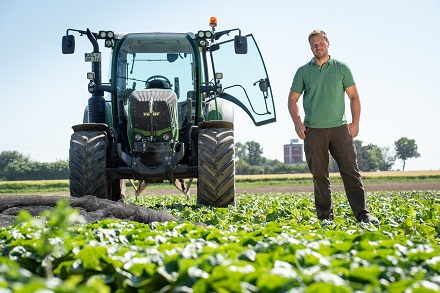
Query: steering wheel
(164, 81)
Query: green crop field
(268, 242)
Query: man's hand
(354, 130)
(300, 129)
(355, 106)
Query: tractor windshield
(161, 60)
(245, 81)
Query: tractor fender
(220, 110)
(227, 111)
(216, 124)
(90, 126)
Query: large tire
(87, 165)
(216, 181)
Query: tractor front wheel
(88, 166)
(216, 181)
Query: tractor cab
(187, 65)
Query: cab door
(245, 81)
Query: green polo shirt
(324, 92)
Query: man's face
(319, 47)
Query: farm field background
(390, 180)
(268, 242)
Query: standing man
(324, 82)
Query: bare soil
(368, 187)
(282, 189)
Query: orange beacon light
(213, 21)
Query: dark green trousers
(318, 143)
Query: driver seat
(158, 84)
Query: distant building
(293, 152)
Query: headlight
(137, 137)
(201, 34)
(166, 136)
(108, 43)
(106, 34)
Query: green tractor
(167, 112)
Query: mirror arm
(218, 35)
(74, 30)
(93, 40)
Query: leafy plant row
(267, 243)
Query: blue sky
(391, 46)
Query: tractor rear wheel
(216, 181)
(88, 165)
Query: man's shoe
(367, 218)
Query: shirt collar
(329, 61)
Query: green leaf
(366, 275)
(322, 287)
(91, 257)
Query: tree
(8, 157)
(250, 152)
(373, 159)
(254, 152)
(405, 149)
(15, 166)
(388, 159)
(22, 170)
(240, 151)
(241, 167)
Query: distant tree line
(250, 159)
(15, 166)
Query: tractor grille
(161, 115)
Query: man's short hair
(318, 33)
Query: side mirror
(68, 44)
(240, 44)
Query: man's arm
(294, 113)
(355, 107)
